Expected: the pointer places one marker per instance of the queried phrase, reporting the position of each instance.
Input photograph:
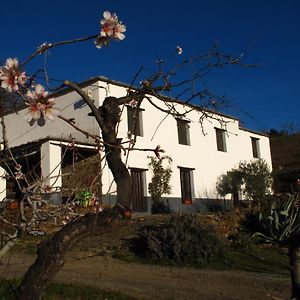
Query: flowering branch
(41, 107)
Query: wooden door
(139, 201)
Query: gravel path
(157, 282)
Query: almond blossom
(40, 107)
(18, 173)
(111, 28)
(179, 50)
(11, 76)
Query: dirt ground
(158, 282)
(84, 265)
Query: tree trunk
(51, 252)
(110, 113)
(294, 255)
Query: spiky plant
(280, 223)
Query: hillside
(285, 151)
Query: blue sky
(263, 97)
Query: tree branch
(89, 102)
(48, 46)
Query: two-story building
(202, 147)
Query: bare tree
(164, 83)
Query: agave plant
(280, 223)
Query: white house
(200, 151)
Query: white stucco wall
(2, 184)
(158, 129)
(51, 165)
(69, 105)
(201, 155)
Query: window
(138, 199)
(220, 136)
(255, 147)
(135, 124)
(186, 185)
(183, 132)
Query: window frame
(255, 147)
(183, 132)
(221, 139)
(186, 185)
(138, 125)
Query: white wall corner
(51, 165)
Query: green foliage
(83, 198)
(257, 179)
(62, 291)
(8, 289)
(184, 239)
(70, 291)
(280, 222)
(258, 258)
(159, 207)
(242, 241)
(253, 179)
(229, 182)
(160, 182)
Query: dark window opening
(186, 185)
(139, 201)
(220, 136)
(134, 117)
(255, 147)
(183, 132)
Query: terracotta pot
(14, 205)
(188, 201)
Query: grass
(262, 258)
(255, 258)
(59, 291)
(243, 254)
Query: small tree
(252, 178)
(160, 182)
(229, 183)
(257, 179)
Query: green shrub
(252, 178)
(251, 222)
(242, 241)
(160, 183)
(82, 198)
(8, 289)
(159, 207)
(184, 239)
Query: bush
(252, 178)
(251, 222)
(242, 241)
(159, 207)
(160, 183)
(184, 239)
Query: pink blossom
(111, 28)
(33, 112)
(11, 76)
(179, 50)
(39, 106)
(19, 174)
(118, 31)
